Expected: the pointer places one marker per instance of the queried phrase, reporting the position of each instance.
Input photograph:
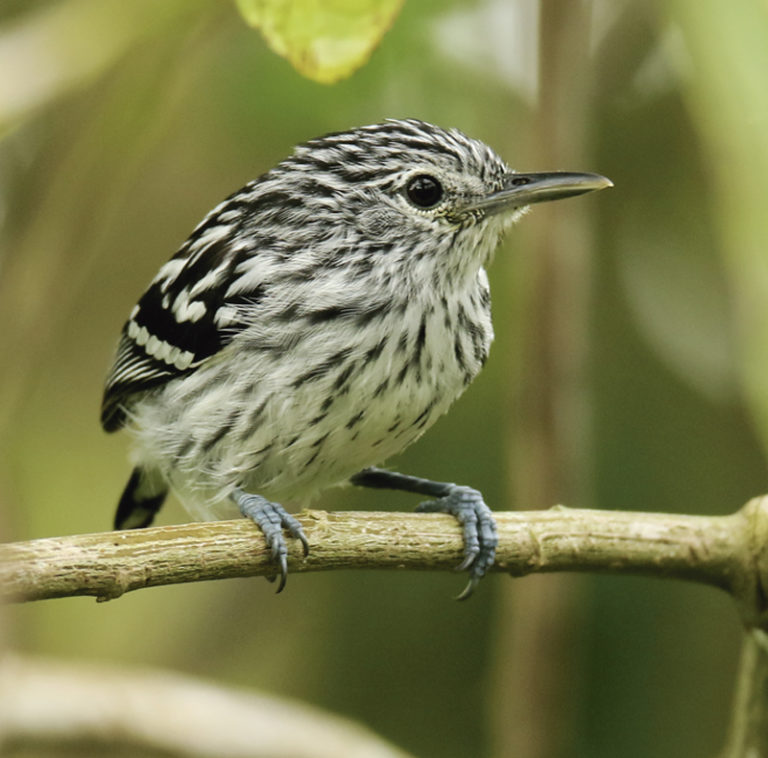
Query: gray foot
(467, 506)
(272, 518)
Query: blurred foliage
(124, 123)
(324, 41)
(729, 102)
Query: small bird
(315, 323)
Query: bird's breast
(347, 395)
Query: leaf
(728, 96)
(325, 40)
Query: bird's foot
(480, 536)
(272, 518)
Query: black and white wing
(183, 317)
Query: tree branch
(52, 707)
(730, 552)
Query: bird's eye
(424, 191)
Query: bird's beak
(525, 189)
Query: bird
(316, 322)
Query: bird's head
(420, 192)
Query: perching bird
(316, 322)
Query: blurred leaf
(57, 47)
(687, 326)
(324, 41)
(729, 98)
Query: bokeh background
(628, 370)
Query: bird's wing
(182, 319)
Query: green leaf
(728, 95)
(325, 40)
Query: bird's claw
(467, 506)
(272, 518)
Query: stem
(724, 551)
(748, 734)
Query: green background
(626, 373)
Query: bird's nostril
(519, 181)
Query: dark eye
(424, 191)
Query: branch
(748, 733)
(730, 552)
(50, 705)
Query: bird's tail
(141, 499)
